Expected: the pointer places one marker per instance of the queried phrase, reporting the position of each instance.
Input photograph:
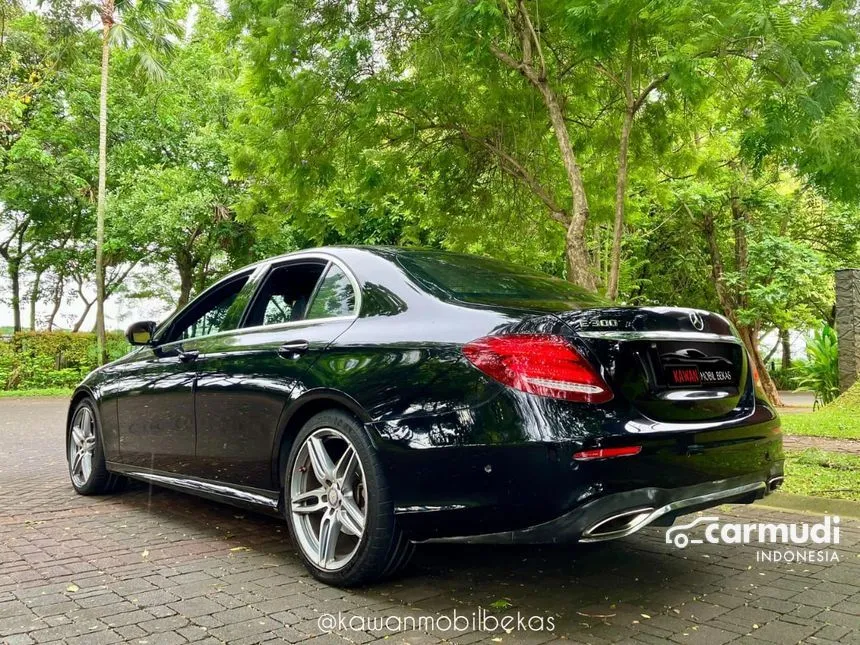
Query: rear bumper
(621, 514)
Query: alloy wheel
(328, 499)
(82, 445)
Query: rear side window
(285, 294)
(335, 296)
(483, 280)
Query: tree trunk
(83, 317)
(14, 270)
(57, 300)
(579, 268)
(620, 196)
(186, 283)
(34, 299)
(750, 338)
(107, 21)
(785, 340)
(729, 306)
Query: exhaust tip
(775, 482)
(618, 525)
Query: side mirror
(141, 333)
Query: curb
(813, 505)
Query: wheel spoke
(86, 422)
(329, 532)
(320, 460)
(345, 465)
(311, 502)
(351, 517)
(325, 499)
(86, 465)
(76, 463)
(77, 436)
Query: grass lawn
(48, 391)
(833, 422)
(822, 474)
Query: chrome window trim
(258, 328)
(353, 282)
(660, 335)
(264, 267)
(251, 271)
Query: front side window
(209, 316)
(285, 293)
(335, 296)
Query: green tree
(394, 98)
(43, 176)
(145, 26)
(173, 187)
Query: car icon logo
(676, 534)
(696, 320)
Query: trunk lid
(671, 364)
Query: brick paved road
(152, 566)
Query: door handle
(187, 357)
(293, 349)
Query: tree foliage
(684, 153)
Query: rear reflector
(757, 384)
(606, 453)
(755, 374)
(545, 365)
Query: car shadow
(599, 588)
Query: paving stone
(748, 616)
(705, 635)
(832, 632)
(196, 607)
(172, 623)
(192, 588)
(130, 632)
(821, 599)
(96, 638)
(18, 639)
(779, 631)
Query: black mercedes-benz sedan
(378, 397)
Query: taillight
(606, 453)
(539, 364)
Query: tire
(353, 486)
(89, 475)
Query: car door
(155, 400)
(247, 377)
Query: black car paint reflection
(464, 454)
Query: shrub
(787, 379)
(821, 373)
(58, 359)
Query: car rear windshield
(485, 281)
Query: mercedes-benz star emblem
(697, 321)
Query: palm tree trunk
(107, 18)
(13, 267)
(785, 340)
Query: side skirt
(244, 496)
